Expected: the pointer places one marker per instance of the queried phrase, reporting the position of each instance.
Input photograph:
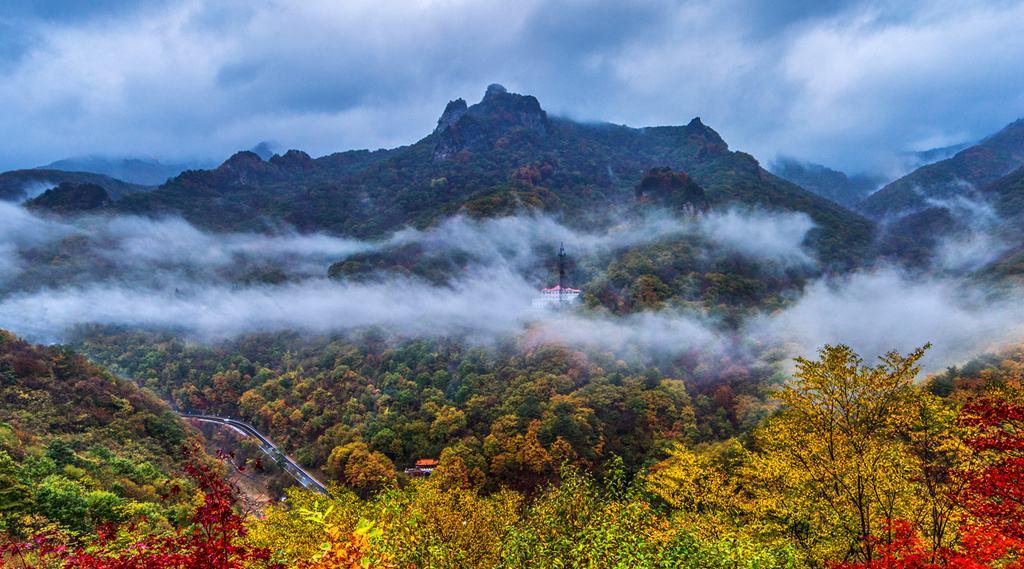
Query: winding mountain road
(270, 449)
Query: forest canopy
(853, 464)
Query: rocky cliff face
(667, 188)
(482, 125)
(451, 115)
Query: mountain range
(502, 153)
(140, 171)
(968, 171)
(505, 153)
(370, 311)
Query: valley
(520, 340)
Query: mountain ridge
(17, 185)
(506, 143)
(840, 187)
(134, 170)
(965, 172)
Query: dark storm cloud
(846, 83)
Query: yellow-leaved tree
(837, 461)
(850, 447)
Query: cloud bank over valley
(167, 274)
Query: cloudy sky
(848, 84)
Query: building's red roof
(426, 462)
(557, 288)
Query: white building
(557, 296)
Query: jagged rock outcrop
(246, 168)
(667, 188)
(499, 114)
(451, 115)
(293, 161)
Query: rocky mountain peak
(711, 142)
(451, 115)
(245, 168)
(498, 101)
(293, 160)
(494, 90)
(241, 159)
(499, 114)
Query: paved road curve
(270, 449)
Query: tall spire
(561, 271)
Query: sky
(847, 84)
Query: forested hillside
(24, 184)
(860, 465)
(375, 312)
(959, 176)
(299, 286)
(494, 407)
(847, 190)
(81, 449)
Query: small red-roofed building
(423, 467)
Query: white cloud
(20, 229)
(166, 273)
(848, 84)
(866, 81)
(777, 237)
(487, 303)
(875, 312)
(142, 243)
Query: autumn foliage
(213, 539)
(992, 499)
(859, 466)
(996, 491)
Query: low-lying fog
(58, 274)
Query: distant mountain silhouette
(141, 171)
(966, 172)
(826, 182)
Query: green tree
(15, 495)
(64, 502)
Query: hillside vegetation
(514, 417)
(968, 170)
(18, 185)
(860, 466)
(80, 448)
(370, 312)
